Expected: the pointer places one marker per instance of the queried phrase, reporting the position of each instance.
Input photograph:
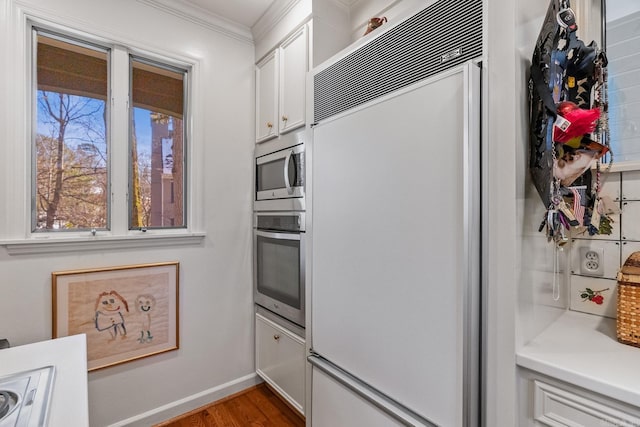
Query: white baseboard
(189, 403)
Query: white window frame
(46, 32)
(15, 231)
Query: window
(623, 53)
(157, 145)
(79, 90)
(71, 148)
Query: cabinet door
(266, 97)
(294, 64)
(280, 360)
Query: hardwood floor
(255, 407)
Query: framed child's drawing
(126, 312)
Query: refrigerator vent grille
(441, 36)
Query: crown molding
(203, 18)
(274, 14)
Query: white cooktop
(69, 405)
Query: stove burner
(8, 401)
(4, 403)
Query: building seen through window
(157, 146)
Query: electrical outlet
(592, 261)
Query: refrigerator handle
(381, 401)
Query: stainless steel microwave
(280, 177)
(279, 264)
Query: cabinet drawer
(557, 407)
(280, 360)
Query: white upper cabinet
(280, 87)
(266, 99)
(294, 62)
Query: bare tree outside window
(71, 178)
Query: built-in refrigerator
(394, 248)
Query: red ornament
(573, 121)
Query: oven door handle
(280, 236)
(286, 172)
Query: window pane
(157, 140)
(71, 184)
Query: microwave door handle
(286, 172)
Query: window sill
(99, 243)
(622, 166)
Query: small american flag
(578, 208)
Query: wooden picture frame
(127, 312)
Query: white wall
(536, 305)
(331, 29)
(215, 307)
(363, 11)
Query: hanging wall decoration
(568, 126)
(127, 312)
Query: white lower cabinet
(280, 360)
(558, 404)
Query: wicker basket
(628, 317)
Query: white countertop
(583, 350)
(69, 402)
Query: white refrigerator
(394, 257)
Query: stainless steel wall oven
(279, 263)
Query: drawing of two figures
(111, 308)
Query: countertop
(69, 402)
(583, 350)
